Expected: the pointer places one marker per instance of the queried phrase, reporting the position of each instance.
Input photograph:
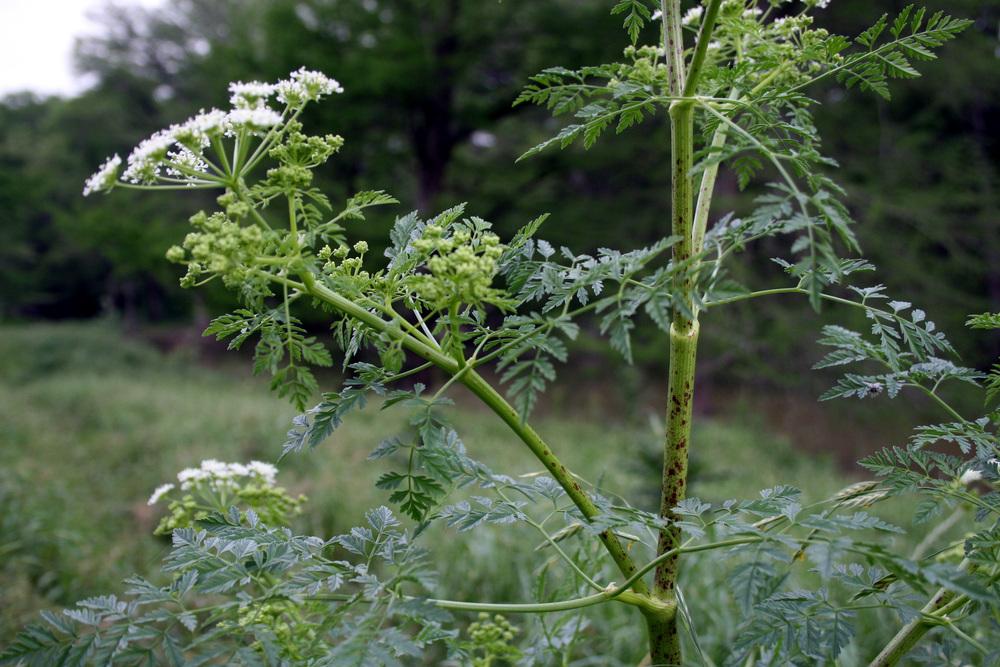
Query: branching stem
(486, 393)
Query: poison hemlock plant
(734, 80)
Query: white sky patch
(36, 43)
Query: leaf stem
(913, 632)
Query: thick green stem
(700, 47)
(664, 638)
(673, 44)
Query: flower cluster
(103, 178)
(462, 267)
(298, 155)
(177, 155)
(251, 95)
(304, 86)
(693, 16)
(220, 246)
(214, 486)
(227, 474)
(339, 264)
(493, 636)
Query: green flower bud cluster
(292, 632)
(346, 269)
(273, 504)
(305, 150)
(648, 68)
(219, 247)
(235, 207)
(461, 268)
(298, 155)
(183, 513)
(492, 636)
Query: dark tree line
(427, 115)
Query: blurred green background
(107, 388)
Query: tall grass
(91, 422)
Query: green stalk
(707, 188)
(488, 395)
(911, 633)
(673, 44)
(664, 636)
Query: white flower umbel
(146, 159)
(197, 132)
(187, 162)
(104, 178)
(970, 476)
(160, 491)
(693, 15)
(250, 95)
(265, 470)
(254, 120)
(305, 85)
(223, 474)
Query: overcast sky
(36, 43)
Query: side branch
(701, 47)
(903, 642)
(486, 393)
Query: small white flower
(104, 178)
(693, 15)
(752, 12)
(197, 132)
(187, 159)
(189, 476)
(250, 95)
(215, 468)
(970, 476)
(656, 15)
(304, 86)
(159, 493)
(145, 159)
(265, 470)
(223, 475)
(255, 120)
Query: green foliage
(636, 14)
(912, 39)
(454, 297)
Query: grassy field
(91, 422)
